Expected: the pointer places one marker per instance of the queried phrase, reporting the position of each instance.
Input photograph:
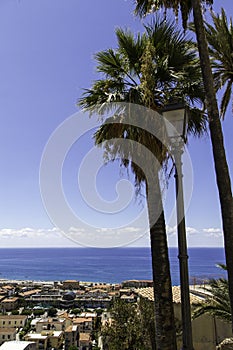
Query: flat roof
(35, 336)
(10, 300)
(84, 336)
(82, 319)
(15, 345)
(71, 328)
(11, 317)
(30, 292)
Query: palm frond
(225, 99)
(144, 7)
(147, 69)
(220, 39)
(110, 63)
(197, 122)
(218, 302)
(132, 48)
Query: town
(70, 315)
(57, 315)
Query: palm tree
(148, 70)
(220, 39)
(221, 167)
(218, 302)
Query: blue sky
(46, 55)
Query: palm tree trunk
(164, 312)
(220, 162)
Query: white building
(18, 345)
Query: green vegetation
(52, 312)
(218, 303)
(15, 312)
(220, 39)
(132, 326)
(27, 312)
(126, 330)
(38, 312)
(148, 69)
(75, 311)
(25, 330)
(144, 7)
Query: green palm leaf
(218, 302)
(144, 7)
(220, 38)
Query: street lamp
(177, 115)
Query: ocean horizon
(107, 265)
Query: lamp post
(176, 114)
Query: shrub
(52, 312)
(26, 312)
(38, 312)
(15, 312)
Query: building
(207, 331)
(92, 315)
(68, 300)
(71, 336)
(56, 324)
(46, 339)
(44, 299)
(85, 324)
(56, 339)
(137, 284)
(7, 334)
(28, 293)
(106, 319)
(41, 340)
(9, 290)
(94, 300)
(18, 345)
(14, 321)
(9, 304)
(70, 284)
(128, 298)
(85, 341)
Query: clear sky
(46, 55)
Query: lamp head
(176, 114)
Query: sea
(102, 265)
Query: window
(3, 322)
(8, 336)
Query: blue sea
(102, 265)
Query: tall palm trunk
(164, 312)
(221, 166)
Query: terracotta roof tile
(148, 293)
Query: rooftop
(15, 317)
(82, 320)
(15, 345)
(148, 293)
(71, 328)
(84, 337)
(30, 292)
(35, 336)
(10, 300)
